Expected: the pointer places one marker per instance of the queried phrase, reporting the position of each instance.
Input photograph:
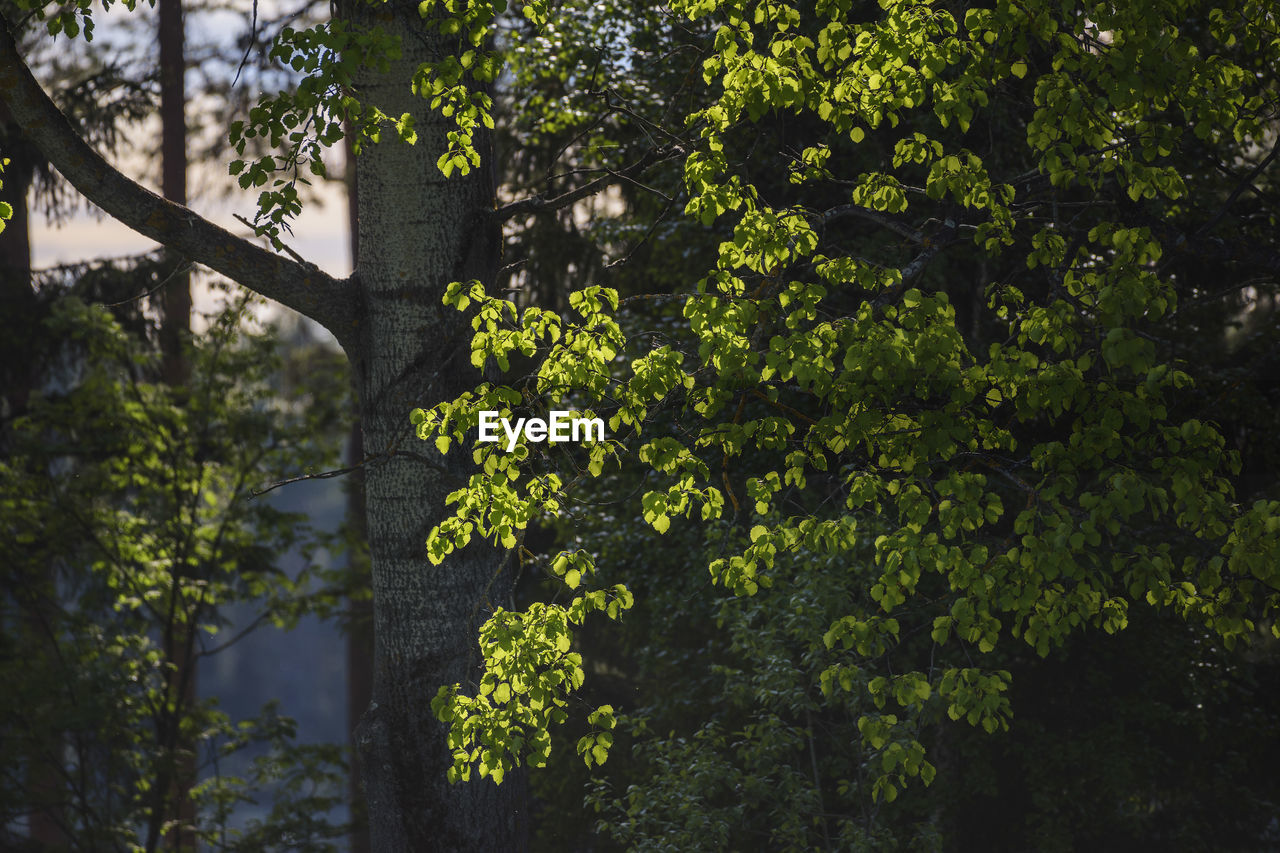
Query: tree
(992, 436)
(677, 672)
(27, 368)
(176, 325)
(404, 351)
(127, 530)
(1002, 444)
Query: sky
(320, 234)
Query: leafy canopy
(132, 531)
(1006, 482)
(1011, 465)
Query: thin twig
(177, 271)
(324, 475)
(288, 251)
(1247, 182)
(253, 39)
(537, 204)
(873, 216)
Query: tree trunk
(175, 327)
(359, 609)
(47, 796)
(359, 639)
(173, 182)
(418, 232)
(15, 239)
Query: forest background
(943, 336)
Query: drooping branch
(541, 204)
(881, 219)
(302, 287)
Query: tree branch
(873, 216)
(537, 204)
(1245, 183)
(302, 287)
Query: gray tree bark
(359, 609)
(417, 232)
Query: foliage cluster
(130, 529)
(944, 352)
(930, 395)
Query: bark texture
(359, 609)
(418, 232)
